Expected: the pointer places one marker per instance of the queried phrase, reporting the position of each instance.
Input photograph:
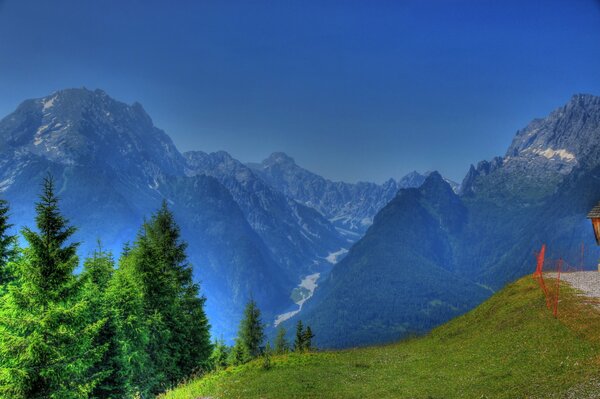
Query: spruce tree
(46, 341)
(220, 355)
(282, 346)
(239, 353)
(251, 333)
(97, 273)
(308, 337)
(125, 302)
(177, 326)
(8, 247)
(299, 341)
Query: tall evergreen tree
(8, 247)
(125, 302)
(299, 341)
(95, 278)
(282, 346)
(178, 329)
(46, 343)
(308, 337)
(251, 333)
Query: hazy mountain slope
(296, 235)
(349, 206)
(398, 279)
(113, 168)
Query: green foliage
(251, 334)
(266, 357)
(239, 354)
(282, 346)
(47, 342)
(220, 354)
(307, 339)
(173, 313)
(125, 303)
(95, 279)
(304, 338)
(8, 249)
(299, 341)
(107, 333)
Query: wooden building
(594, 216)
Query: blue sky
(354, 90)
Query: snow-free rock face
(349, 206)
(299, 237)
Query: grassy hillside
(508, 347)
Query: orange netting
(548, 274)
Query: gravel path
(587, 282)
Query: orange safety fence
(548, 275)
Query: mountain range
(113, 167)
(389, 260)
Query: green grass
(509, 347)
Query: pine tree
(8, 248)
(46, 342)
(177, 326)
(239, 353)
(125, 302)
(266, 357)
(251, 333)
(282, 346)
(220, 355)
(307, 338)
(97, 274)
(299, 341)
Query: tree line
(130, 328)
(250, 342)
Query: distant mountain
(113, 168)
(430, 252)
(399, 279)
(298, 237)
(349, 206)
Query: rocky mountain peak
(548, 149)
(279, 158)
(79, 126)
(564, 138)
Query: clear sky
(354, 90)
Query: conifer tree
(299, 341)
(97, 273)
(46, 343)
(239, 353)
(282, 346)
(251, 333)
(8, 247)
(178, 330)
(307, 339)
(220, 355)
(125, 302)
